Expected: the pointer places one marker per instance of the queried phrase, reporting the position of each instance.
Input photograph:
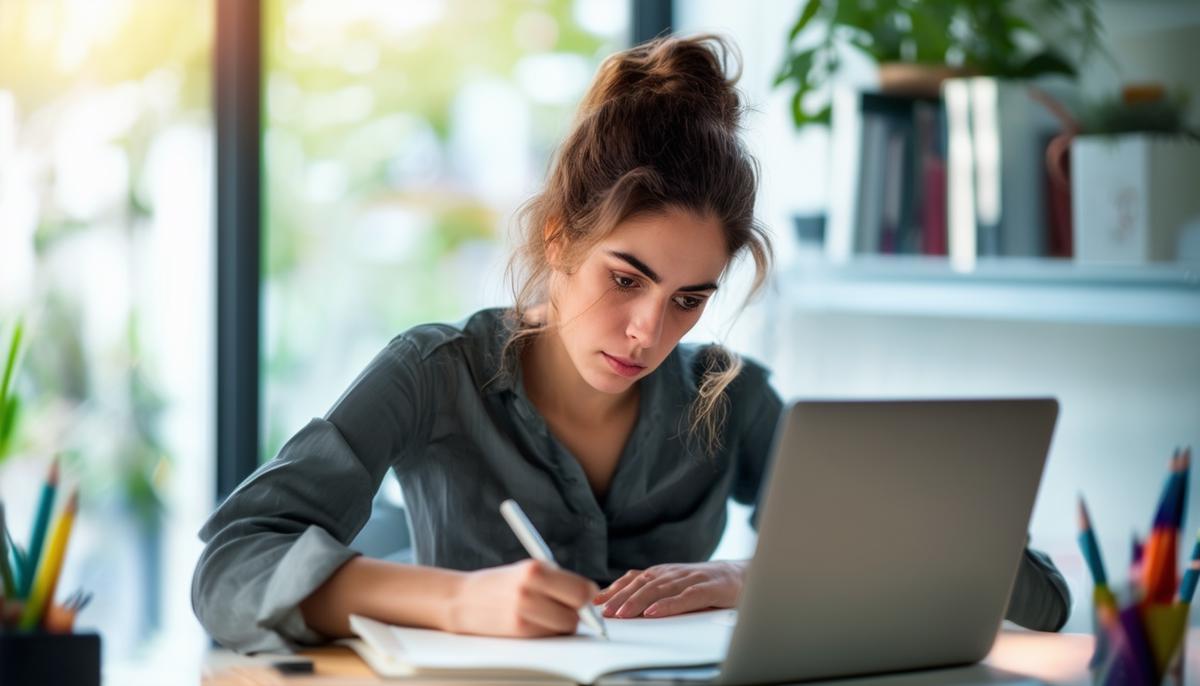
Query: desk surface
(1018, 657)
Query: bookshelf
(1001, 288)
(945, 207)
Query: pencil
(16, 558)
(1187, 587)
(1159, 575)
(1135, 560)
(16, 561)
(1091, 550)
(10, 589)
(40, 523)
(48, 571)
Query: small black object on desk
(294, 667)
(49, 659)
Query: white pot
(1131, 196)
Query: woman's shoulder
(471, 346)
(478, 332)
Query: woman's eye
(623, 282)
(688, 302)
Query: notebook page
(693, 639)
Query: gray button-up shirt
(462, 437)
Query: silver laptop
(889, 539)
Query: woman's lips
(621, 366)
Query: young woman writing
(578, 401)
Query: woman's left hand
(673, 589)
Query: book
(998, 132)
(888, 168)
(930, 196)
(695, 639)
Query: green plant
(1115, 115)
(10, 402)
(1005, 38)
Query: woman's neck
(556, 388)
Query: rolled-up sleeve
(1040, 598)
(286, 528)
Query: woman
(621, 445)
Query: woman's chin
(607, 382)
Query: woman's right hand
(525, 599)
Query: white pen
(538, 550)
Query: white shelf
(998, 288)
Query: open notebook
(695, 639)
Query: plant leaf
(8, 424)
(13, 348)
(795, 67)
(1048, 62)
(810, 10)
(798, 115)
(803, 117)
(823, 115)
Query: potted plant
(1133, 168)
(917, 44)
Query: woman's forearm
(408, 595)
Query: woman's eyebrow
(653, 275)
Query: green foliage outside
(93, 401)
(368, 110)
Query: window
(399, 139)
(105, 253)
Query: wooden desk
(1018, 657)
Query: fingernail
(651, 611)
(625, 612)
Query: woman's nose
(646, 322)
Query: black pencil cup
(41, 659)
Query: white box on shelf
(1131, 195)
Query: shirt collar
(669, 384)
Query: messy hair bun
(677, 72)
(658, 129)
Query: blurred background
(396, 141)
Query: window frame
(237, 103)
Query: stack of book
(962, 175)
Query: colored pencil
(1184, 482)
(43, 587)
(38, 538)
(1187, 587)
(1159, 573)
(16, 558)
(1091, 550)
(1135, 560)
(10, 589)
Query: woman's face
(636, 293)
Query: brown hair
(658, 129)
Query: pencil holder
(1139, 643)
(50, 659)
